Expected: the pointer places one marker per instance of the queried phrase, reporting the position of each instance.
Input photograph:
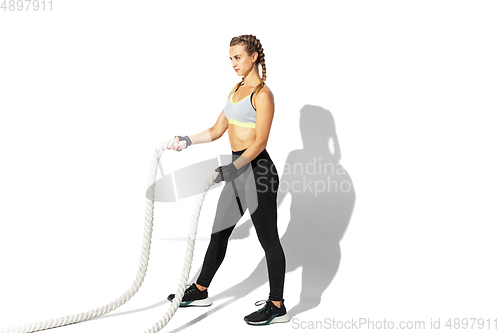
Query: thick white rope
(143, 265)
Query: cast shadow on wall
(322, 202)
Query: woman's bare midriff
(240, 137)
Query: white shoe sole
(280, 319)
(202, 302)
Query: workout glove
(226, 173)
(183, 142)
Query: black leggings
(257, 188)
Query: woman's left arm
(264, 102)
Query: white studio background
(89, 89)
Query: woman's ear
(255, 55)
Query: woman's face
(240, 60)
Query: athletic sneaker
(193, 297)
(268, 314)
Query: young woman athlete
(247, 116)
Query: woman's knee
(221, 236)
(270, 242)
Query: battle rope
(146, 246)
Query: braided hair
(252, 44)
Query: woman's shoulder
(265, 92)
(263, 97)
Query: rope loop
(143, 264)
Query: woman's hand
(179, 143)
(226, 173)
